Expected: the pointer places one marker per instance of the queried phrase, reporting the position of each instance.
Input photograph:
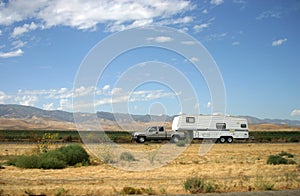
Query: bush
(53, 159)
(74, 154)
(294, 139)
(52, 163)
(283, 153)
(131, 191)
(276, 160)
(198, 185)
(180, 143)
(23, 161)
(279, 159)
(127, 156)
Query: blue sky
(255, 45)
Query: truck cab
(157, 133)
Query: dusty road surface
(228, 168)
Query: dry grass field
(230, 167)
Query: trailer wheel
(175, 139)
(141, 139)
(229, 140)
(222, 139)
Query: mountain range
(22, 117)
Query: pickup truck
(157, 133)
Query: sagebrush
(127, 156)
(198, 185)
(281, 158)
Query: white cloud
(48, 106)
(269, 14)
(188, 42)
(216, 2)
(295, 112)
(200, 27)
(279, 42)
(61, 98)
(121, 96)
(116, 99)
(116, 91)
(106, 87)
(3, 97)
(204, 11)
(160, 39)
(219, 36)
(19, 10)
(184, 29)
(23, 29)
(194, 59)
(183, 20)
(209, 104)
(28, 100)
(86, 14)
(18, 44)
(10, 54)
(64, 104)
(0, 32)
(235, 43)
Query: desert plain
(238, 167)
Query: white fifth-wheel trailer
(222, 128)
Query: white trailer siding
(216, 126)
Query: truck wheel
(141, 139)
(175, 139)
(229, 140)
(222, 139)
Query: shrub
(283, 153)
(131, 191)
(180, 143)
(52, 163)
(291, 162)
(198, 185)
(149, 191)
(276, 159)
(279, 159)
(294, 139)
(53, 159)
(127, 156)
(74, 154)
(23, 161)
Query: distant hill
(255, 121)
(20, 111)
(31, 116)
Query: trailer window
(190, 119)
(243, 126)
(161, 129)
(221, 125)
